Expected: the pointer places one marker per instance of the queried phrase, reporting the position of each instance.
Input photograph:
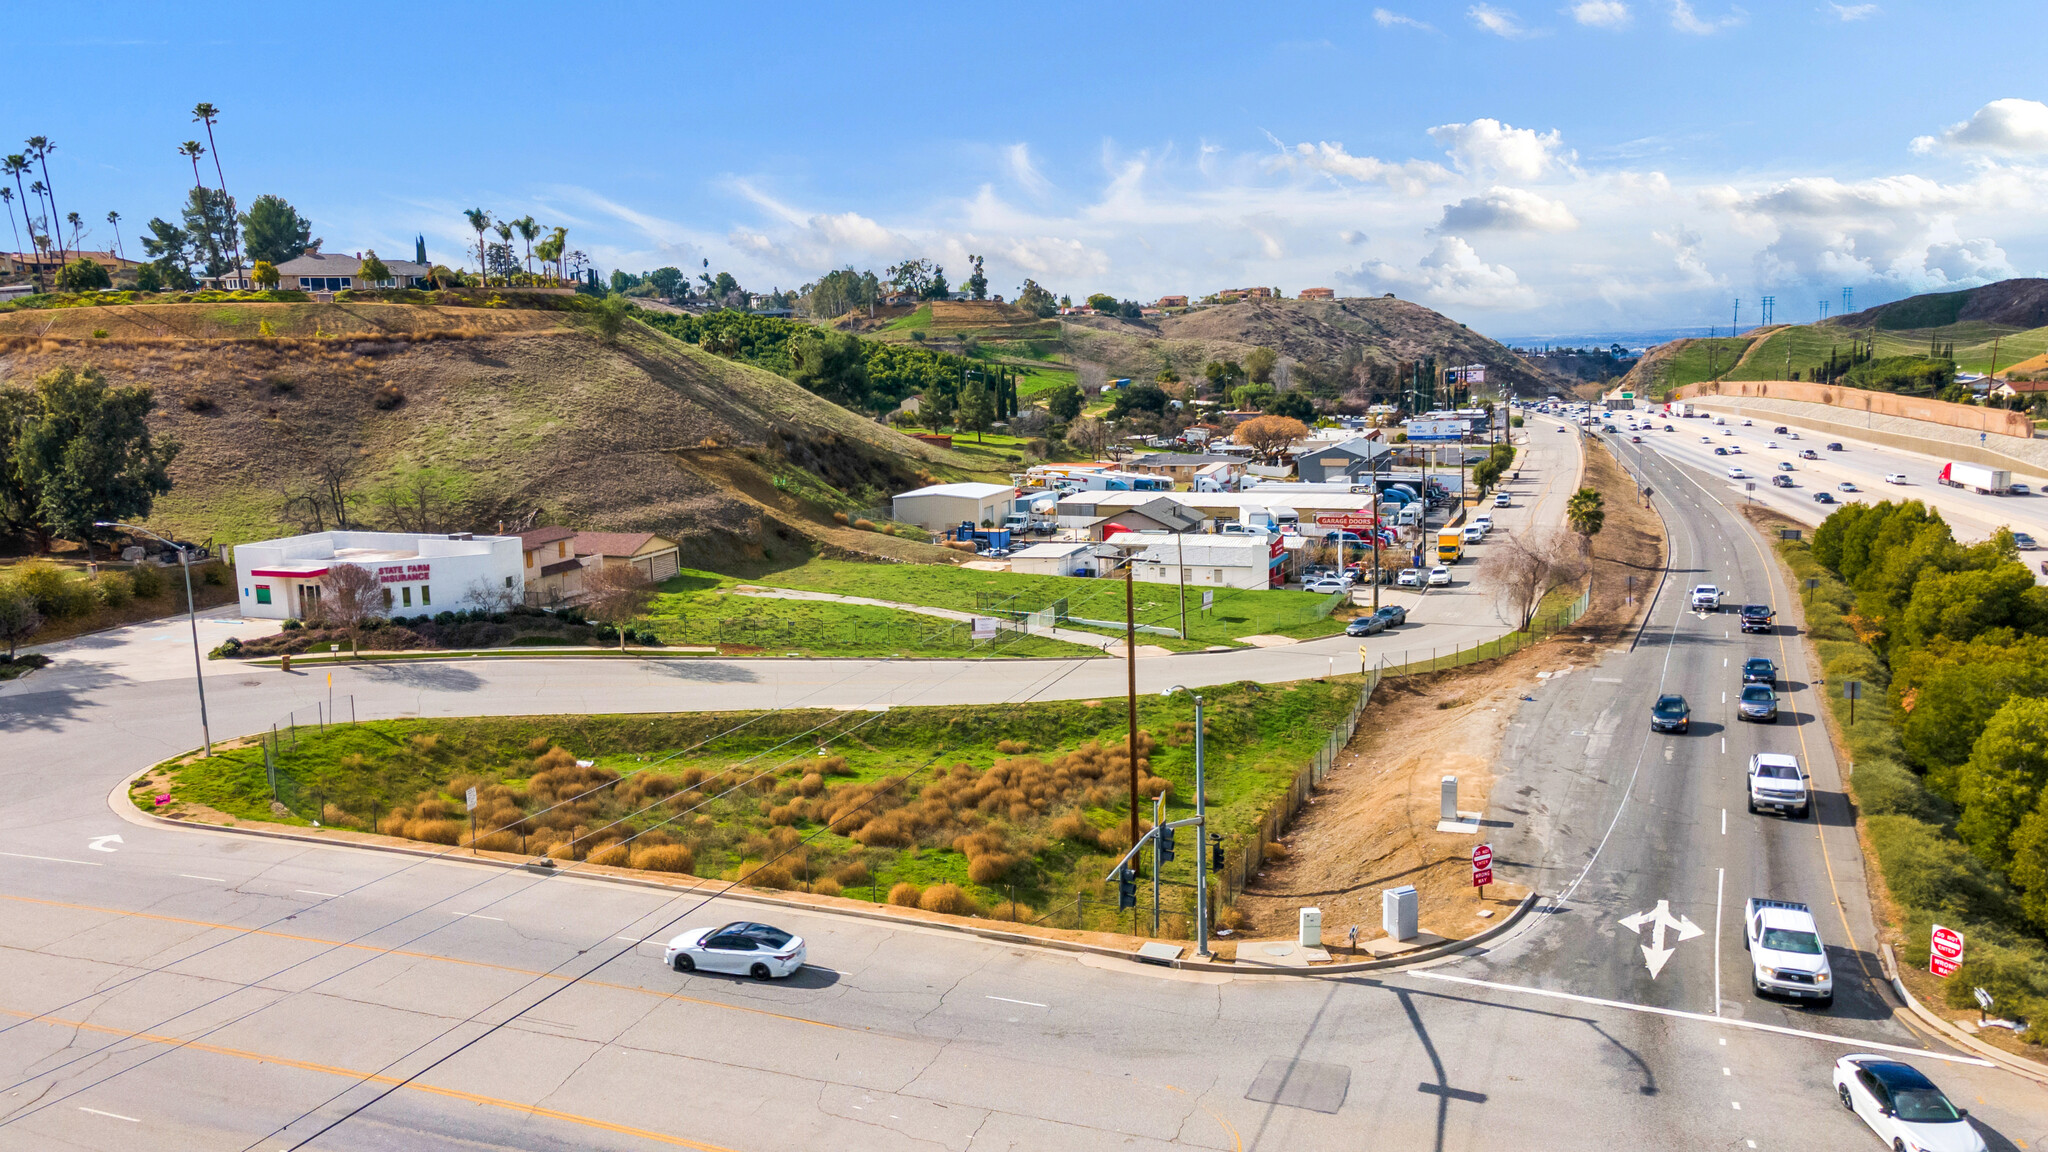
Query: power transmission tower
(1823, 306)
(1848, 300)
(1735, 325)
(1769, 302)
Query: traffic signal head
(1216, 855)
(1165, 844)
(1127, 887)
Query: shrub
(388, 396)
(665, 858)
(1231, 917)
(57, 594)
(1275, 852)
(905, 895)
(864, 524)
(1013, 911)
(811, 784)
(617, 854)
(1070, 826)
(774, 875)
(851, 874)
(949, 899)
(291, 625)
(825, 886)
(112, 589)
(147, 581)
(195, 400)
(1012, 747)
(435, 831)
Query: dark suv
(1756, 618)
(1670, 714)
(1759, 670)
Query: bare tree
(18, 618)
(417, 500)
(350, 596)
(1091, 377)
(1088, 434)
(616, 594)
(488, 597)
(321, 493)
(1523, 566)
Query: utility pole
(1158, 820)
(1735, 325)
(1181, 556)
(1131, 664)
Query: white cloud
(1976, 261)
(1352, 237)
(1894, 230)
(1600, 13)
(2011, 127)
(1386, 19)
(1498, 21)
(1410, 177)
(1489, 146)
(1452, 275)
(1849, 12)
(1024, 171)
(1509, 210)
(1685, 255)
(1688, 21)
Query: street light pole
(191, 618)
(1201, 835)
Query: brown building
(1318, 294)
(1173, 302)
(553, 571)
(657, 557)
(47, 264)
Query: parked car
(1895, 477)
(1395, 614)
(1759, 670)
(1366, 625)
(1759, 702)
(1902, 1106)
(1670, 714)
(1409, 578)
(743, 948)
(1439, 577)
(1823, 498)
(1326, 585)
(1501, 500)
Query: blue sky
(1578, 166)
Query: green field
(1807, 346)
(1024, 802)
(1703, 359)
(1237, 612)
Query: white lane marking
(99, 843)
(51, 859)
(1724, 745)
(1655, 954)
(329, 895)
(1026, 1003)
(1724, 697)
(1720, 876)
(189, 876)
(1724, 821)
(109, 1115)
(633, 939)
(1726, 1072)
(478, 916)
(1724, 1021)
(1737, 1104)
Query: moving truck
(1991, 481)
(1450, 545)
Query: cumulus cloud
(1851, 12)
(1600, 13)
(1487, 146)
(1686, 20)
(1498, 21)
(1976, 261)
(2011, 127)
(1386, 19)
(1507, 209)
(1684, 244)
(1898, 230)
(1411, 177)
(1453, 275)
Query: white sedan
(1409, 578)
(1902, 1106)
(1439, 576)
(742, 948)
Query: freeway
(178, 988)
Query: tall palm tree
(547, 251)
(120, 249)
(206, 114)
(192, 150)
(16, 166)
(72, 219)
(481, 221)
(40, 240)
(560, 239)
(527, 231)
(7, 195)
(1585, 513)
(40, 147)
(504, 230)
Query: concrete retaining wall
(1995, 421)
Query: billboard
(1435, 430)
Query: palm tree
(505, 234)
(15, 165)
(560, 240)
(72, 219)
(40, 240)
(1585, 513)
(548, 250)
(40, 147)
(192, 150)
(206, 114)
(481, 221)
(121, 250)
(7, 194)
(527, 231)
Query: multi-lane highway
(176, 988)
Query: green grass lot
(918, 321)
(1237, 612)
(1703, 359)
(1808, 346)
(1012, 801)
(700, 608)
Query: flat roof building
(937, 507)
(420, 574)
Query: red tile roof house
(658, 557)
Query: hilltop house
(47, 264)
(324, 272)
(1318, 294)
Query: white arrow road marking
(1655, 954)
(99, 843)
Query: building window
(406, 595)
(1217, 576)
(263, 593)
(529, 559)
(561, 548)
(508, 581)
(426, 596)
(387, 597)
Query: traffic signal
(1215, 852)
(1126, 888)
(1165, 844)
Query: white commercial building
(420, 574)
(941, 506)
(1213, 561)
(1054, 559)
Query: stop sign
(1482, 866)
(1946, 953)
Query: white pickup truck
(1706, 598)
(1776, 783)
(1785, 953)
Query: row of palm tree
(552, 249)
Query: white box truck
(1990, 481)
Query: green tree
(1294, 404)
(1246, 397)
(830, 365)
(19, 617)
(372, 271)
(481, 221)
(83, 452)
(83, 275)
(149, 278)
(611, 317)
(207, 219)
(1065, 402)
(667, 281)
(274, 231)
(264, 275)
(977, 408)
(976, 283)
(528, 230)
(1104, 303)
(1139, 396)
(1585, 512)
(1259, 363)
(1036, 300)
(2001, 783)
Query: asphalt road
(178, 988)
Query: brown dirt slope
(533, 422)
(1312, 331)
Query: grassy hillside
(520, 416)
(1691, 360)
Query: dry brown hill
(527, 417)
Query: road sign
(1482, 866)
(1946, 954)
(1852, 689)
(1655, 954)
(1983, 999)
(469, 797)
(984, 628)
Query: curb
(126, 810)
(271, 662)
(2018, 1065)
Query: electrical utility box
(1311, 928)
(1400, 912)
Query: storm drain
(1301, 1084)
